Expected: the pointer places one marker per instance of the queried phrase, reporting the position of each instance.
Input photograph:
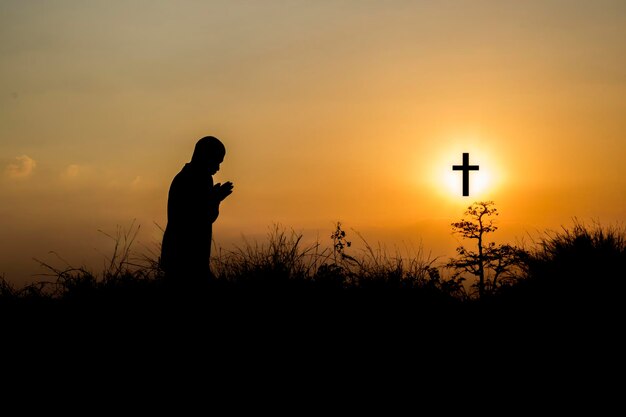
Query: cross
(466, 168)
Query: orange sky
(330, 110)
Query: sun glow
(479, 182)
(483, 183)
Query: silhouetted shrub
(584, 266)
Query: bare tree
(499, 259)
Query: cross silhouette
(466, 168)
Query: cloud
(23, 167)
(141, 183)
(71, 171)
(79, 174)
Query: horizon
(352, 112)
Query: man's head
(209, 153)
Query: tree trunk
(481, 270)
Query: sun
(448, 183)
(480, 182)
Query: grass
(580, 266)
(583, 266)
(283, 300)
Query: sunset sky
(351, 111)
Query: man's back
(190, 214)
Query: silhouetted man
(192, 207)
